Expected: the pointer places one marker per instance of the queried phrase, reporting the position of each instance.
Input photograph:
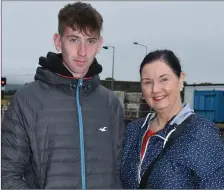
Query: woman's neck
(163, 117)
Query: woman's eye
(164, 80)
(148, 82)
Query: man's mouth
(80, 62)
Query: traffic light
(3, 81)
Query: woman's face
(160, 86)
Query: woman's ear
(182, 78)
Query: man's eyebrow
(92, 38)
(72, 36)
(89, 38)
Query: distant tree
(205, 83)
(109, 78)
(10, 92)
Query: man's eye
(92, 41)
(73, 40)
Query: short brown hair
(80, 17)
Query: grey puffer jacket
(41, 135)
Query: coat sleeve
(206, 156)
(15, 148)
(119, 127)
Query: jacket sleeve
(119, 127)
(15, 148)
(207, 157)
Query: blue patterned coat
(196, 160)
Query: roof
(204, 84)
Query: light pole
(146, 50)
(112, 81)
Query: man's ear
(100, 44)
(57, 42)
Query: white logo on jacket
(103, 129)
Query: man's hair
(80, 17)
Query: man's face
(78, 50)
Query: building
(127, 86)
(130, 96)
(190, 88)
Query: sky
(194, 31)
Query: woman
(196, 159)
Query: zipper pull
(80, 82)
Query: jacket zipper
(140, 163)
(82, 148)
(141, 160)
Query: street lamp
(112, 81)
(146, 50)
(136, 43)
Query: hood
(182, 115)
(53, 71)
(53, 62)
(178, 119)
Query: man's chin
(79, 73)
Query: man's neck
(79, 76)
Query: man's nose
(82, 49)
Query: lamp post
(146, 49)
(112, 81)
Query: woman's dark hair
(165, 55)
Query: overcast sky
(193, 30)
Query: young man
(65, 130)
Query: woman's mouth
(158, 98)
